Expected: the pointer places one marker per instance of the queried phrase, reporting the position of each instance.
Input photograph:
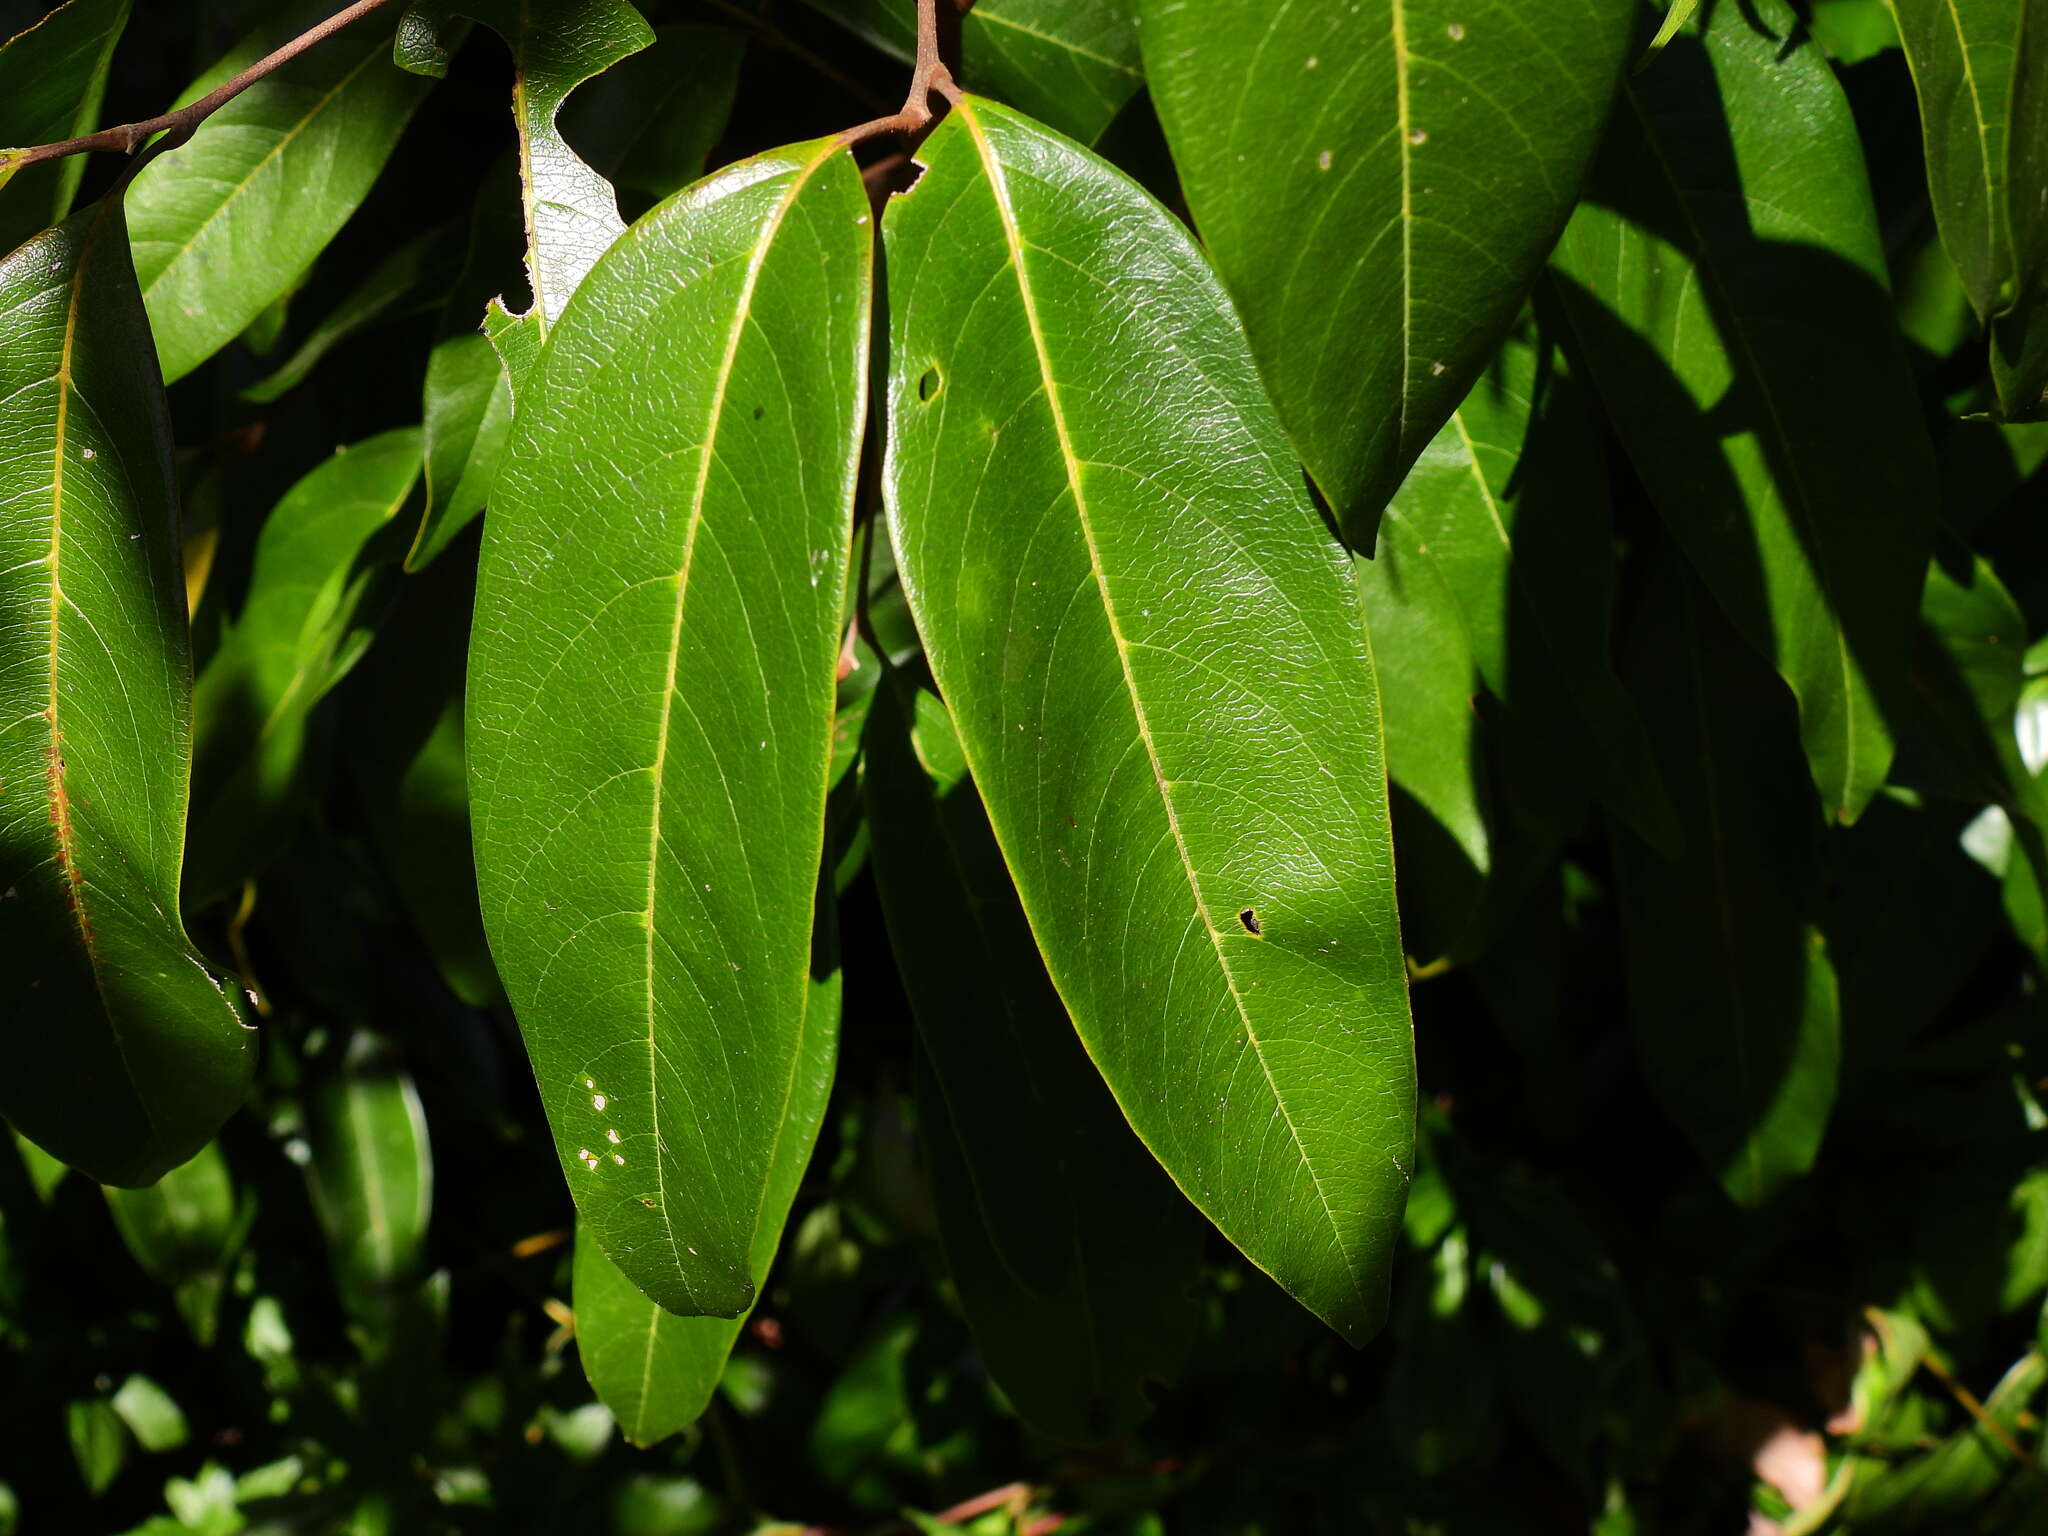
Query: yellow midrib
(1001, 197)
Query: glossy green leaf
(1731, 992)
(650, 705)
(391, 284)
(1948, 1485)
(649, 123)
(1728, 286)
(1675, 17)
(467, 397)
(1981, 70)
(654, 1370)
(1163, 685)
(371, 1175)
(1379, 182)
(235, 218)
(1073, 1256)
(183, 1230)
(570, 211)
(129, 1051)
(151, 1414)
(52, 80)
(295, 638)
(1070, 63)
(99, 1443)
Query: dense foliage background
(1613, 1310)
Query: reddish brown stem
(929, 76)
(178, 126)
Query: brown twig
(180, 125)
(771, 36)
(929, 76)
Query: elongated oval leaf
(654, 1370)
(1379, 182)
(1733, 996)
(1073, 1256)
(1162, 683)
(52, 79)
(1978, 68)
(294, 639)
(129, 1052)
(371, 1176)
(183, 1231)
(225, 225)
(650, 707)
(1728, 284)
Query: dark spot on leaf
(760, 411)
(1250, 919)
(928, 386)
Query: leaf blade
(1243, 889)
(133, 1051)
(683, 650)
(52, 80)
(1370, 317)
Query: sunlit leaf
(1163, 687)
(650, 705)
(129, 1050)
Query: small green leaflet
(1678, 15)
(371, 1175)
(1108, 549)
(295, 638)
(651, 696)
(128, 1050)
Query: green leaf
(649, 123)
(1679, 13)
(1073, 1256)
(98, 1443)
(396, 279)
(1978, 66)
(467, 397)
(1379, 182)
(1731, 993)
(1072, 64)
(151, 1414)
(650, 706)
(1108, 550)
(1946, 1486)
(371, 1176)
(52, 80)
(654, 1370)
(295, 638)
(129, 1051)
(1728, 285)
(1494, 565)
(183, 1230)
(235, 218)
(570, 211)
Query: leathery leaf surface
(127, 1052)
(650, 705)
(1163, 687)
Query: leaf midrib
(742, 312)
(999, 188)
(65, 836)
